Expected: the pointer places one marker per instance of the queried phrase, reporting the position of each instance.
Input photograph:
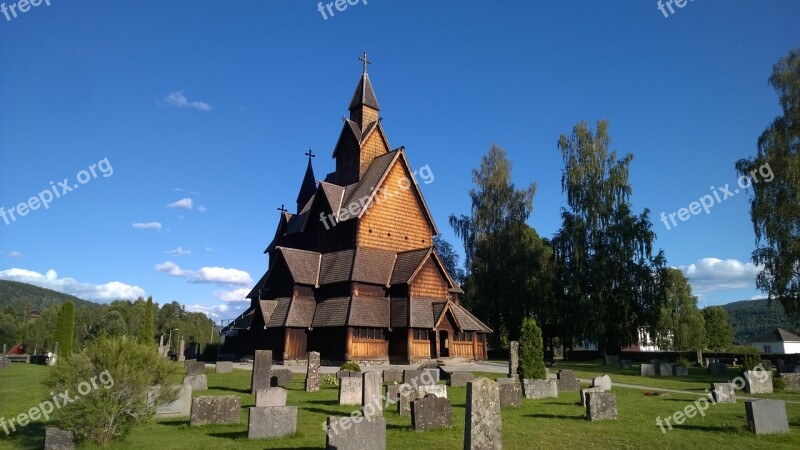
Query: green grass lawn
(556, 423)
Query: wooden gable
(375, 145)
(429, 282)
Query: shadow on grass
(230, 435)
(174, 423)
(324, 402)
(31, 436)
(229, 389)
(712, 429)
(555, 416)
(328, 412)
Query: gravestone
(585, 391)
(612, 360)
(392, 376)
(273, 396)
(350, 391)
(430, 413)
(603, 381)
(723, 393)
(182, 351)
(781, 365)
(433, 373)
(757, 382)
(513, 360)
(55, 439)
(791, 381)
(195, 368)
(483, 426)
(313, 378)
(567, 381)
(439, 390)
(406, 397)
(196, 382)
(625, 364)
(647, 370)
(717, 368)
(272, 422)
(216, 410)
(280, 377)
(538, 389)
(601, 406)
(224, 367)
(262, 368)
(348, 373)
(460, 379)
(357, 434)
(181, 407)
(665, 369)
(706, 362)
(393, 392)
(766, 416)
(681, 371)
(372, 394)
(510, 392)
(410, 375)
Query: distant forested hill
(22, 296)
(753, 318)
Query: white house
(778, 341)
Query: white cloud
(184, 203)
(213, 275)
(202, 208)
(212, 312)
(147, 226)
(178, 189)
(712, 274)
(179, 100)
(14, 254)
(208, 249)
(113, 290)
(180, 251)
(237, 295)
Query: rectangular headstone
(460, 379)
(392, 376)
(647, 370)
(538, 389)
(603, 381)
(350, 391)
(406, 397)
(567, 381)
(758, 382)
(510, 393)
(55, 439)
(483, 425)
(791, 381)
(182, 351)
(513, 360)
(781, 365)
(681, 371)
(273, 396)
(280, 377)
(196, 382)
(224, 367)
(601, 406)
(195, 368)
(585, 391)
(439, 390)
(625, 364)
(262, 369)
(216, 410)
(372, 394)
(347, 433)
(723, 393)
(181, 407)
(434, 374)
(766, 416)
(717, 368)
(430, 413)
(272, 422)
(347, 373)
(612, 360)
(313, 378)
(393, 392)
(665, 369)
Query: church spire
(364, 107)
(309, 186)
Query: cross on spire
(366, 61)
(282, 209)
(310, 154)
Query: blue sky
(212, 105)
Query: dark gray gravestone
(510, 392)
(272, 422)
(717, 368)
(665, 369)
(781, 365)
(612, 360)
(392, 376)
(348, 433)
(681, 371)
(224, 367)
(55, 439)
(216, 410)
(410, 375)
(766, 416)
(791, 381)
(647, 370)
(723, 393)
(430, 413)
(567, 381)
(313, 378)
(347, 373)
(625, 363)
(393, 392)
(460, 379)
(195, 368)
(262, 368)
(406, 397)
(483, 424)
(434, 374)
(372, 394)
(281, 377)
(601, 406)
(513, 360)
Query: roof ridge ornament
(366, 61)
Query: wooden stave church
(353, 273)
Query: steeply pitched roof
(364, 94)
(336, 267)
(301, 312)
(240, 323)
(334, 194)
(373, 265)
(332, 312)
(303, 265)
(778, 335)
(309, 185)
(407, 264)
(256, 291)
(370, 312)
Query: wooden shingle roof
(369, 312)
(332, 312)
(364, 94)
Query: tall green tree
(531, 351)
(65, 329)
(681, 325)
(449, 258)
(775, 207)
(147, 329)
(609, 280)
(719, 333)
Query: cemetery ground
(552, 423)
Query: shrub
(751, 361)
(531, 355)
(683, 362)
(330, 379)
(778, 384)
(65, 330)
(125, 369)
(350, 365)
